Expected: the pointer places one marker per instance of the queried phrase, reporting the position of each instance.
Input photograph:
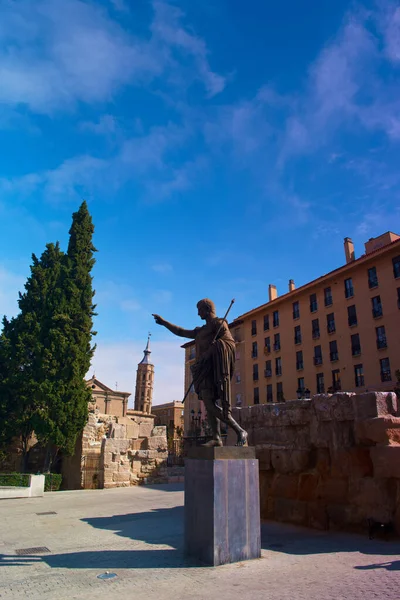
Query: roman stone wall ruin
(331, 462)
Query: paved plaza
(136, 533)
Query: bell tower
(144, 382)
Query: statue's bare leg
(214, 423)
(217, 413)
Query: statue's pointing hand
(159, 320)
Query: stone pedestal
(222, 505)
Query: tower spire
(146, 358)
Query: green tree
(45, 351)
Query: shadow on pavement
(107, 559)
(166, 487)
(160, 526)
(289, 539)
(389, 566)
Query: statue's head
(205, 307)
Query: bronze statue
(213, 370)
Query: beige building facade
(170, 414)
(106, 400)
(338, 332)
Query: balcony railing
(352, 321)
(299, 366)
(372, 282)
(334, 356)
(254, 354)
(381, 343)
(278, 371)
(331, 328)
(356, 350)
(313, 306)
(268, 373)
(349, 293)
(267, 349)
(377, 312)
(328, 301)
(297, 339)
(316, 334)
(317, 360)
(277, 347)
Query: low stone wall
(331, 462)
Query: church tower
(144, 382)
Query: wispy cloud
(10, 285)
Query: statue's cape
(217, 369)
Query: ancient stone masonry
(118, 452)
(332, 462)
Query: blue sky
(221, 146)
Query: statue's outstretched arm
(175, 329)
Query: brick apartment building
(338, 332)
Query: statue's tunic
(215, 363)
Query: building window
(330, 323)
(376, 307)
(328, 296)
(396, 267)
(355, 345)
(267, 345)
(238, 380)
(372, 278)
(268, 368)
(255, 372)
(313, 303)
(278, 366)
(277, 341)
(237, 355)
(297, 334)
(336, 384)
(381, 338)
(352, 315)
(315, 329)
(348, 288)
(317, 355)
(254, 328)
(256, 395)
(275, 318)
(385, 369)
(320, 383)
(296, 310)
(299, 360)
(359, 375)
(192, 352)
(266, 322)
(238, 399)
(254, 350)
(270, 397)
(300, 384)
(279, 392)
(333, 351)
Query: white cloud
(112, 294)
(106, 125)
(117, 362)
(162, 297)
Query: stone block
(217, 536)
(264, 458)
(374, 498)
(378, 430)
(290, 461)
(317, 515)
(140, 444)
(337, 407)
(331, 434)
(159, 430)
(332, 490)
(290, 511)
(386, 461)
(351, 462)
(285, 486)
(320, 460)
(121, 477)
(307, 488)
(145, 429)
(157, 443)
(118, 431)
(374, 404)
